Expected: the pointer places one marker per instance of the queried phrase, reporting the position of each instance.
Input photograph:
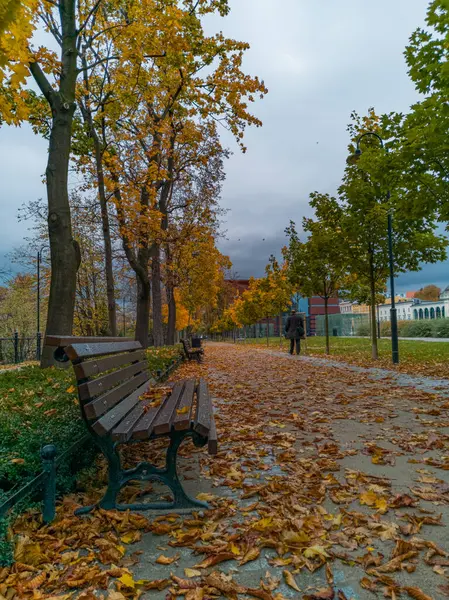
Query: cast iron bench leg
(147, 472)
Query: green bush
(363, 330)
(385, 329)
(441, 328)
(419, 329)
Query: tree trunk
(98, 152)
(171, 329)
(143, 310)
(158, 331)
(65, 254)
(280, 329)
(374, 350)
(64, 250)
(110, 288)
(326, 323)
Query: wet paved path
(350, 463)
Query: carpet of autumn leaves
(320, 471)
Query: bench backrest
(186, 345)
(111, 378)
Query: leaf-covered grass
(416, 357)
(40, 406)
(160, 358)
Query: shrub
(419, 329)
(385, 329)
(363, 330)
(441, 328)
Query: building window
(415, 314)
(438, 312)
(426, 313)
(432, 313)
(421, 313)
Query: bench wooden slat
(95, 367)
(124, 430)
(144, 427)
(212, 442)
(113, 417)
(107, 401)
(102, 384)
(184, 411)
(68, 340)
(204, 414)
(163, 422)
(77, 351)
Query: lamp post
(38, 331)
(393, 312)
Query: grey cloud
(320, 59)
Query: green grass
(428, 358)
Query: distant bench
(192, 353)
(112, 378)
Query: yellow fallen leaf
(252, 554)
(369, 498)
(18, 461)
(290, 580)
(71, 389)
(235, 549)
(263, 524)
(127, 580)
(204, 497)
(315, 551)
(382, 505)
(192, 573)
(183, 411)
(131, 537)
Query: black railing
(19, 348)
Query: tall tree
(361, 211)
(429, 293)
(199, 79)
(76, 29)
(317, 267)
(420, 144)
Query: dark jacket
(294, 327)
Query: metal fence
(19, 348)
(344, 325)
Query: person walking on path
(294, 331)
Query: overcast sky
(320, 59)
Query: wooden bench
(112, 380)
(192, 353)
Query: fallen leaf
(127, 580)
(167, 560)
(416, 593)
(290, 580)
(192, 573)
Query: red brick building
(316, 308)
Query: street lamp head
(353, 158)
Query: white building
(416, 309)
(345, 307)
